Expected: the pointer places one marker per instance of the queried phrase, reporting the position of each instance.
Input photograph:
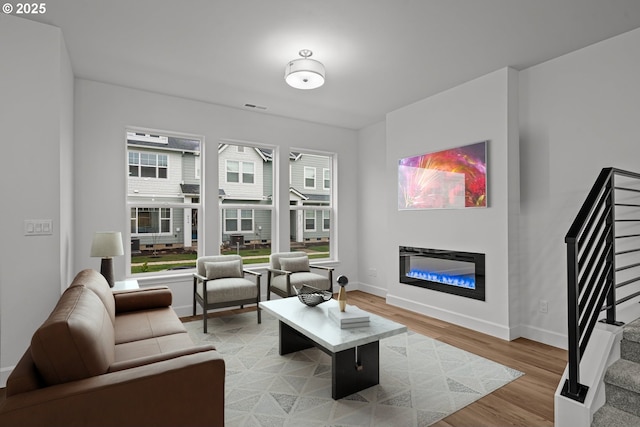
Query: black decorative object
(311, 296)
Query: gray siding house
(246, 179)
(162, 171)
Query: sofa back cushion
(96, 282)
(76, 341)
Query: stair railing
(591, 269)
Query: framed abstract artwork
(450, 179)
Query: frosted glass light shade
(304, 73)
(107, 244)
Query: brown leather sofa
(114, 358)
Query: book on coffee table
(352, 317)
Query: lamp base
(106, 269)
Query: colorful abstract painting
(449, 179)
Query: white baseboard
(543, 336)
(370, 289)
(472, 323)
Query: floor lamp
(107, 244)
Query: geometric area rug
(422, 380)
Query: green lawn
(139, 259)
(147, 263)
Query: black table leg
(292, 340)
(352, 370)
(355, 369)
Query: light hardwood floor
(526, 402)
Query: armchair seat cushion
(298, 279)
(229, 289)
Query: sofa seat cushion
(152, 346)
(298, 279)
(141, 325)
(229, 289)
(76, 341)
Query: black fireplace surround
(458, 273)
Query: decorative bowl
(311, 296)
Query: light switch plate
(38, 227)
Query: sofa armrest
(159, 394)
(142, 299)
(141, 361)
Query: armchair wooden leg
(195, 285)
(204, 320)
(269, 286)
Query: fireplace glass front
(459, 273)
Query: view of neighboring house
(246, 187)
(163, 171)
(164, 176)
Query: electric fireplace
(453, 272)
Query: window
(326, 174)
(147, 165)
(237, 170)
(246, 211)
(164, 206)
(310, 205)
(238, 220)
(326, 220)
(309, 178)
(309, 220)
(150, 221)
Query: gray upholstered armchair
(288, 269)
(220, 282)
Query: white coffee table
(355, 359)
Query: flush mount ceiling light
(304, 73)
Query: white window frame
(160, 203)
(304, 178)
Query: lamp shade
(107, 244)
(304, 73)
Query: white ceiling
(379, 54)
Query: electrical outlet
(543, 306)
(373, 272)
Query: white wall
(578, 114)
(374, 229)
(475, 111)
(36, 134)
(104, 111)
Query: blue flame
(468, 282)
